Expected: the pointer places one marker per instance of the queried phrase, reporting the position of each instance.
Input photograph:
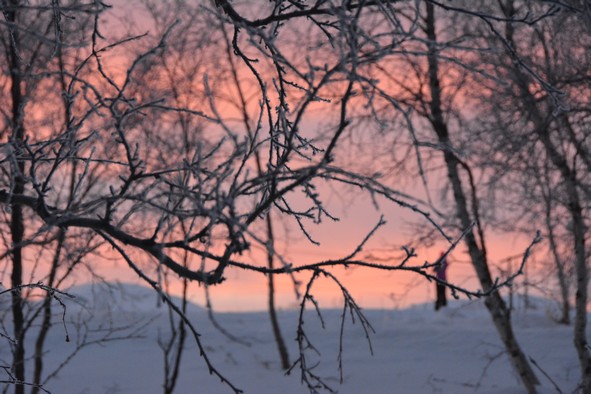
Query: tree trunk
(541, 124)
(565, 312)
(581, 297)
(17, 229)
(494, 303)
(46, 322)
(283, 354)
(578, 231)
(500, 314)
(542, 130)
(17, 223)
(172, 371)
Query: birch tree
(542, 114)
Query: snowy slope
(416, 350)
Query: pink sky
(247, 290)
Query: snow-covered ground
(415, 350)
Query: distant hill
(122, 298)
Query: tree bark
(46, 323)
(494, 303)
(171, 372)
(542, 123)
(578, 231)
(282, 349)
(47, 311)
(565, 311)
(17, 227)
(283, 354)
(542, 128)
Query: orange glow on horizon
(247, 291)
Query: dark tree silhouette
(150, 157)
